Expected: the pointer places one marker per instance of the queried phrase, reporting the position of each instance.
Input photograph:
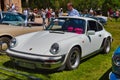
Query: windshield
(11, 17)
(23, 16)
(68, 24)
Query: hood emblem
(30, 49)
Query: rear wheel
(107, 46)
(4, 44)
(73, 59)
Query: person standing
(52, 14)
(48, 15)
(71, 10)
(117, 15)
(43, 13)
(31, 16)
(110, 13)
(25, 12)
(61, 12)
(13, 7)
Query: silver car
(66, 40)
(17, 19)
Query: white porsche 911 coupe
(64, 42)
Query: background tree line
(81, 5)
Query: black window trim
(96, 25)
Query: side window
(100, 27)
(92, 25)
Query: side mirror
(91, 32)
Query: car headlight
(54, 48)
(116, 60)
(13, 43)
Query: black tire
(4, 44)
(107, 47)
(73, 59)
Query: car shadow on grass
(105, 76)
(12, 65)
(45, 73)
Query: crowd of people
(113, 14)
(50, 13)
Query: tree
(107, 4)
(78, 4)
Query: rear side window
(100, 27)
(92, 25)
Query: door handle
(100, 35)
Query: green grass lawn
(96, 67)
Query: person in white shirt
(52, 14)
(25, 12)
(43, 15)
(13, 7)
(60, 12)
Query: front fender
(68, 45)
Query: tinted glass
(99, 27)
(92, 25)
(9, 17)
(21, 15)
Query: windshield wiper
(56, 31)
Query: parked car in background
(115, 74)
(105, 18)
(7, 32)
(100, 19)
(17, 19)
(65, 41)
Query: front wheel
(4, 43)
(73, 59)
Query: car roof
(15, 13)
(77, 17)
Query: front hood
(41, 42)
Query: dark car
(115, 74)
(15, 18)
(101, 20)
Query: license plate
(27, 65)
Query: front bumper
(36, 61)
(113, 76)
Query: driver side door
(96, 39)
